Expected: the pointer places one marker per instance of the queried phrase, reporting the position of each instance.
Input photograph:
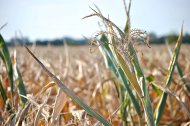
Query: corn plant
(121, 58)
(12, 68)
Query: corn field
(118, 79)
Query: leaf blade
(8, 64)
(71, 93)
(160, 107)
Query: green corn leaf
(71, 94)
(1, 56)
(19, 81)
(179, 70)
(150, 79)
(21, 86)
(7, 60)
(160, 108)
(123, 99)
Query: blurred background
(54, 21)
